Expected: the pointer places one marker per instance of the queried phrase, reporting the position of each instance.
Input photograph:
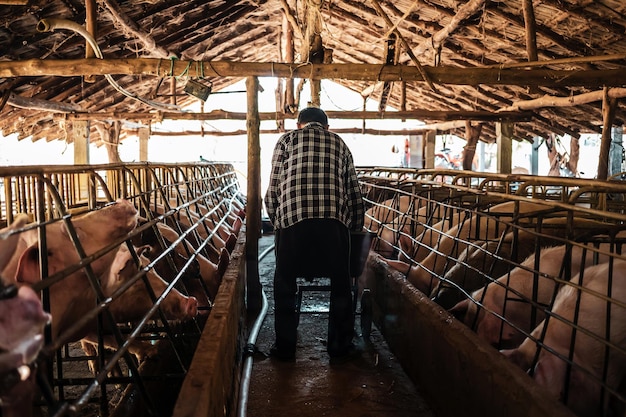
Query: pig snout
(22, 321)
(190, 307)
(180, 307)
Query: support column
(80, 138)
(504, 140)
(416, 151)
(429, 149)
(534, 156)
(253, 201)
(616, 151)
(608, 115)
(144, 136)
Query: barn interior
(99, 72)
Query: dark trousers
(308, 249)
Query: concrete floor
(373, 384)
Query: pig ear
(399, 266)
(460, 310)
(28, 266)
(223, 262)
(143, 249)
(517, 357)
(8, 245)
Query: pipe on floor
(250, 349)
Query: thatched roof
(481, 37)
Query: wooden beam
(531, 29)
(369, 115)
(91, 24)
(609, 105)
(42, 105)
(357, 72)
(465, 10)
(438, 127)
(551, 101)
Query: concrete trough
(459, 374)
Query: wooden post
(416, 144)
(288, 56)
(616, 151)
(608, 114)
(144, 136)
(472, 134)
(534, 156)
(91, 24)
(429, 149)
(504, 140)
(253, 205)
(80, 138)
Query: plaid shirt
(313, 177)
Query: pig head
(73, 296)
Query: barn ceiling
(582, 37)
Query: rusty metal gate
(116, 331)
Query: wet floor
(372, 384)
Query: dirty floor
(372, 384)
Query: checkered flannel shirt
(313, 177)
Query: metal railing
(54, 198)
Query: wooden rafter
(390, 25)
(128, 26)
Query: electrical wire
(50, 24)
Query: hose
(247, 367)
(50, 24)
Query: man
(313, 201)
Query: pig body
(582, 391)
(73, 296)
(519, 283)
(476, 265)
(424, 276)
(133, 303)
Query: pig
(9, 239)
(394, 218)
(22, 322)
(519, 284)
(133, 303)
(476, 265)
(211, 273)
(197, 233)
(73, 296)
(425, 275)
(592, 351)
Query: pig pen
(123, 340)
(426, 275)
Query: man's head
(312, 114)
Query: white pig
(519, 285)
(592, 351)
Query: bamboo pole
(357, 72)
(91, 24)
(609, 105)
(253, 202)
(484, 116)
